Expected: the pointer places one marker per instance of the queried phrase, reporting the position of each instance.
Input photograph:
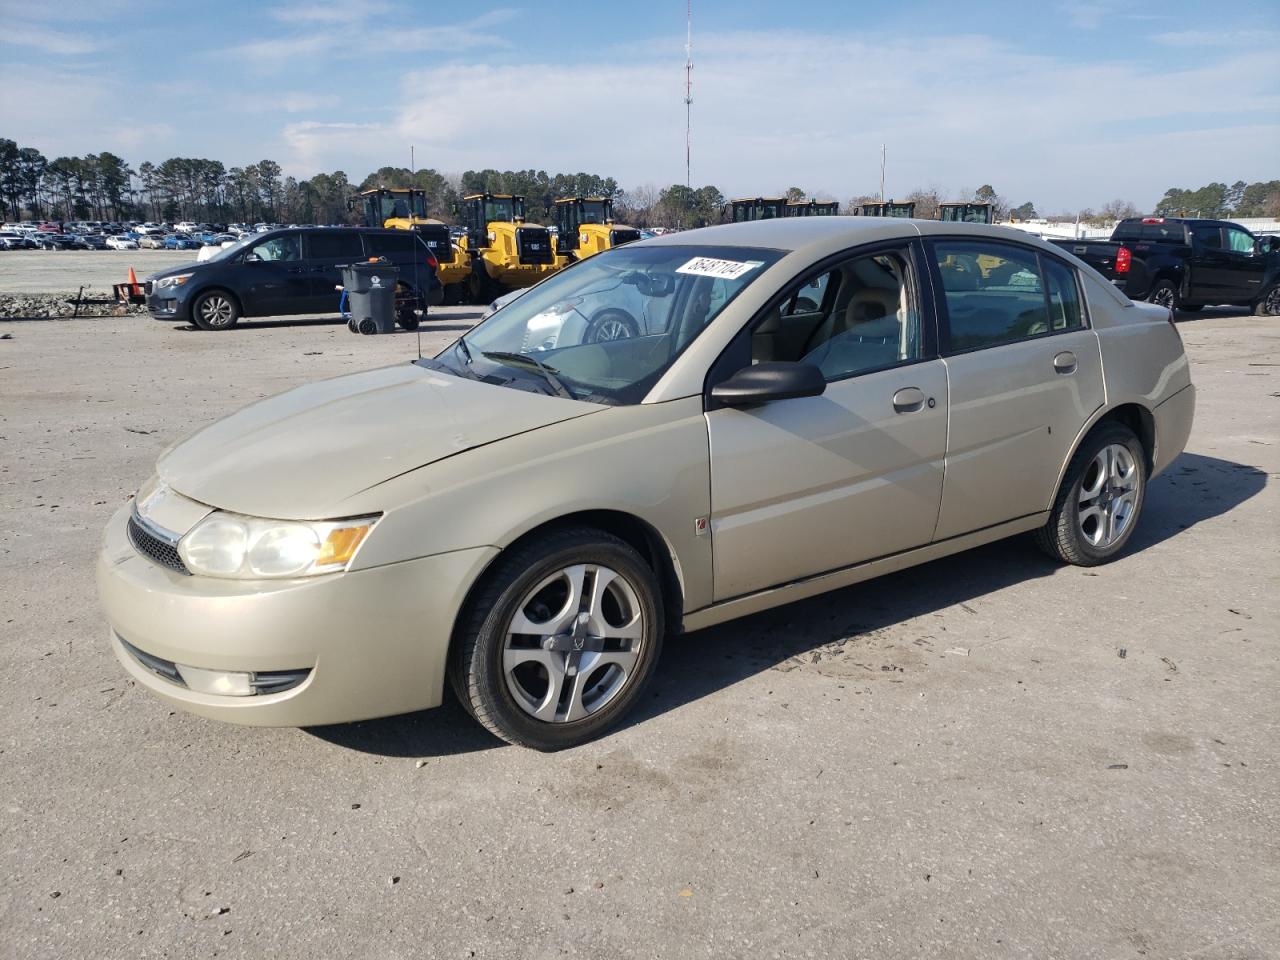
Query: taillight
(432, 262)
(1124, 258)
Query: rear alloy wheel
(1165, 294)
(611, 324)
(560, 642)
(215, 310)
(1268, 304)
(1097, 508)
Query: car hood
(174, 271)
(300, 455)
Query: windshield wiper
(525, 360)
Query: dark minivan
(290, 272)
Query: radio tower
(688, 93)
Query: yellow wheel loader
(966, 212)
(585, 227)
(812, 208)
(406, 209)
(757, 208)
(503, 252)
(889, 208)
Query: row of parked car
(96, 235)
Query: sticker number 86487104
(723, 269)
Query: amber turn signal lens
(341, 545)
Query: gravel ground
(65, 271)
(990, 756)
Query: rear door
(803, 486)
(1024, 372)
(327, 252)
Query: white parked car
(122, 243)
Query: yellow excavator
(585, 227)
(966, 212)
(502, 251)
(812, 208)
(757, 208)
(889, 208)
(406, 209)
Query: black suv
(290, 272)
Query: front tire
(560, 640)
(611, 324)
(1101, 497)
(215, 310)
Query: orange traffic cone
(135, 288)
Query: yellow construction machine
(406, 209)
(966, 212)
(502, 251)
(889, 208)
(757, 208)
(585, 227)
(812, 208)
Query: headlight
(177, 281)
(249, 548)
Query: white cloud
(385, 35)
(47, 40)
(1220, 38)
(780, 109)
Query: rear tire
(1100, 501)
(1165, 294)
(1268, 304)
(573, 583)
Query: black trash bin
(371, 296)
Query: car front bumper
(369, 643)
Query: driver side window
(287, 247)
(1238, 241)
(855, 317)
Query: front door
(803, 486)
(1243, 267)
(1025, 375)
(276, 277)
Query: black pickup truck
(1187, 264)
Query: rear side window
(390, 244)
(1127, 231)
(997, 293)
(335, 245)
(1208, 237)
(1065, 312)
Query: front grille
(620, 236)
(155, 548)
(436, 237)
(533, 245)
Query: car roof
(806, 233)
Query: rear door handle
(1065, 362)
(908, 400)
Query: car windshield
(606, 329)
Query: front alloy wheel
(215, 311)
(1269, 304)
(560, 640)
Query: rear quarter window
(400, 244)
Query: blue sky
(1066, 103)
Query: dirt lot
(65, 271)
(990, 756)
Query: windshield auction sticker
(724, 269)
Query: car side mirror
(769, 381)
(252, 258)
(1266, 244)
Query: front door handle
(1065, 362)
(908, 400)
